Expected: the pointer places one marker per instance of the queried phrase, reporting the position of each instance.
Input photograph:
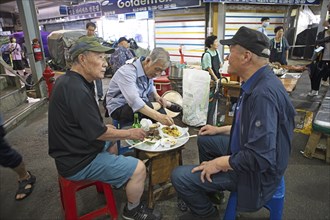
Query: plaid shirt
(119, 57)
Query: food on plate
(168, 142)
(171, 131)
(153, 134)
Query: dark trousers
(8, 156)
(125, 113)
(326, 73)
(320, 71)
(189, 186)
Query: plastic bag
(196, 88)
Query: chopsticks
(190, 136)
(134, 145)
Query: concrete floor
(307, 180)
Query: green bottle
(136, 123)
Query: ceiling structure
(11, 6)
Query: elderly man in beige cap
(77, 133)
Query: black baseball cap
(122, 39)
(250, 39)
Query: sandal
(22, 184)
(175, 107)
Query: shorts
(109, 168)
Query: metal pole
(28, 17)
(221, 26)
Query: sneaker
(313, 93)
(324, 83)
(182, 205)
(217, 198)
(141, 212)
(190, 216)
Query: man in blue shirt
(132, 85)
(250, 156)
(264, 25)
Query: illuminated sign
(110, 7)
(283, 2)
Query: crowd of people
(250, 156)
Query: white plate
(182, 131)
(157, 147)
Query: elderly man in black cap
(251, 155)
(77, 133)
(121, 55)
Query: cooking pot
(176, 70)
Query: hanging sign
(88, 10)
(111, 7)
(282, 2)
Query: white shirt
(262, 30)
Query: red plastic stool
(68, 191)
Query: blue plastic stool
(275, 205)
(121, 150)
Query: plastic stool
(121, 150)
(68, 191)
(275, 205)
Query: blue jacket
(266, 131)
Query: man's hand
(208, 130)
(163, 102)
(165, 119)
(136, 134)
(211, 167)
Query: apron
(215, 61)
(277, 53)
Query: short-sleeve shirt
(74, 124)
(263, 30)
(207, 61)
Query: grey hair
(75, 60)
(263, 60)
(159, 53)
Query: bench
(321, 127)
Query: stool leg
(230, 213)
(69, 203)
(99, 187)
(275, 207)
(111, 204)
(151, 187)
(61, 194)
